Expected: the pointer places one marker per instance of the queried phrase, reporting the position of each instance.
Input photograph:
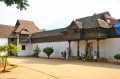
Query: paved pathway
(39, 68)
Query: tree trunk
(48, 57)
(5, 64)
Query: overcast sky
(53, 14)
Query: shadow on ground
(32, 60)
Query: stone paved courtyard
(43, 68)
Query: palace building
(99, 32)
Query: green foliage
(10, 48)
(48, 51)
(117, 56)
(36, 51)
(43, 29)
(3, 48)
(21, 4)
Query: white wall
(28, 49)
(3, 41)
(112, 48)
(108, 48)
(58, 48)
(61, 46)
(73, 48)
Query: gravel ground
(41, 68)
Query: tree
(21, 4)
(43, 29)
(117, 56)
(36, 51)
(10, 48)
(48, 51)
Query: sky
(54, 14)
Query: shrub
(117, 56)
(36, 51)
(48, 51)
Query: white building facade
(84, 35)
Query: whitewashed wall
(112, 48)
(108, 48)
(28, 49)
(102, 48)
(58, 48)
(61, 46)
(3, 41)
(73, 48)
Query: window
(12, 39)
(23, 47)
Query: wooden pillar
(86, 51)
(78, 52)
(98, 55)
(69, 48)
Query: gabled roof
(24, 31)
(74, 25)
(79, 24)
(92, 21)
(6, 31)
(29, 25)
(48, 33)
(110, 17)
(103, 24)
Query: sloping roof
(103, 24)
(6, 31)
(29, 25)
(79, 24)
(24, 32)
(92, 21)
(74, 25)
(110, 17)
(48, 33)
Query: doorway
(89, 48)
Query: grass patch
(12, 66)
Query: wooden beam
(78, 52)
(69, 48)
(86, 51)
(98, 55)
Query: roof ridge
(55, 29)
(93, 15)
(7, 25)
(24, 20)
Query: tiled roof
(110, 17)
(79, 24)
(48, 33)
(92, 21)
(6, 31)
(29, 25)
(103, 24)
